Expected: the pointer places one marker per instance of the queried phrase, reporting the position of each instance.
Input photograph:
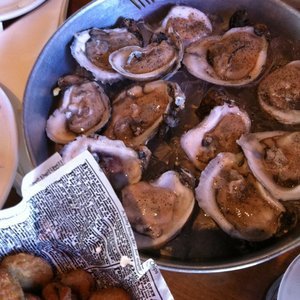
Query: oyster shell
(217, 133)
(139, 110)
(273, 158)
(238, 203)
(120, 164)
(279, 93)
(157, 210)
(189, 23)
(234, 59)
(91, 49)
(157, 59)
(85, 108)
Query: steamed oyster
(238, 203)
(234, 59)
(274, 160)
(85, 108)
(217, 133)
(121, 164)
(157, 210)
(139, 110)
(189, 23)
(91, 49)
(279, 93)
(160, 58)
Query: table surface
(250, 283)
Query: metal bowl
(209, 251)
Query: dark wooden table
(246, 284)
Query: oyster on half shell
(234, 59)
(217, 133)
(279, 93)
(84, 109)
(158, 59)
(91, 49)
(157, 210)
(274, 160)
(190, 24)
(140, 109)
(229, 193)
(121, 165)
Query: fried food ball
(10, 289)
(56, 291)
(31, 271)
(80, 281)
(111, 293)
(32, 297)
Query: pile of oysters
(127, 104)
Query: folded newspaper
(71, 216)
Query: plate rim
(8, 181)
(16, 12)
(290, 271)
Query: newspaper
(71, 216)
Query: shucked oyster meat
(189, 23)
(238, 203)
(234, 59)
(274, 160)
(121, 164)
(159, 59)
(84, 109)
(239, 200)
(157, 210)
(279, 93)
(91, 49)
(217, 133)
(140, 109)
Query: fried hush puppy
(82, 287)
(10, 288)
(32, 297)
(81, 283)
(30, 271)
(114, 293)
(20, 273)
(76, 285)
(57, 291)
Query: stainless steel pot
(211, 251)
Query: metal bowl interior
(214, 252)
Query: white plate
(8, 148)
(10, 9)
(289, 288)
